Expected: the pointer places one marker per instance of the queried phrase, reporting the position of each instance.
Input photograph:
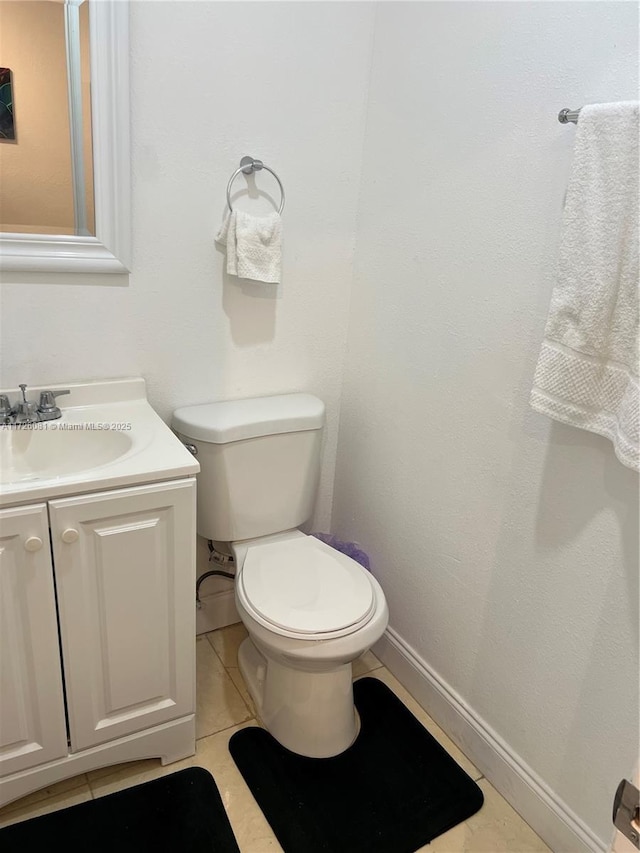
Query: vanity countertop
(108, 436)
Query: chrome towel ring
(248, 165)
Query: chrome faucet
(47, 406)
(5, 409)
(28, 411)
(25, 411)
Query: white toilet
(309, 609)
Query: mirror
(64, 136)
(46, 159)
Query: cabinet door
(32, 721)
(125, 576)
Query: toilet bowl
(309, 610)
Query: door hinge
(626, 811)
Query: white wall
(211, 82)
(507, 545)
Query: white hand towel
(253, 245)
(587, 373)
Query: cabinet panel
(32, 719)
(125, 575)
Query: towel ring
(248, 165)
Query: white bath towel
(587, 373)
(253, 245)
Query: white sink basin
(27, 455)
(108, 436)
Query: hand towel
(253, 245)
(587, 372)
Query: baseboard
(527, 793)
(216, 611)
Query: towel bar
(248, 165)
(565, 116)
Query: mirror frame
(109, 251)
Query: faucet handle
(5, 406)
(25, 411)
(48, 400)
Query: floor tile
(250, 827)
(50, 791)
(132, 773)
(433, 728)
(253, 833)
(364, 664)
(59, 800)
(223, 707)
(126, 769)
(236, 676)
(496, 828)
(218, 701)
(226, 642)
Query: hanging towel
(587, 373)
(253, 245)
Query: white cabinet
(126, 614)
(32, 721)
(123, 641)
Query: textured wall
(210, 83)
(507, 545)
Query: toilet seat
(305, 589)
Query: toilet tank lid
(233, 420)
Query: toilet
(309, 610)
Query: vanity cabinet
(97, 662)
(32, 719)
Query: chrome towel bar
(248, 165)
(565, 116)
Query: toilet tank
(259, 463)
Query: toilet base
(310, 713)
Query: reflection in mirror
(106, 249)
(46, 158)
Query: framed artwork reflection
(7, 124)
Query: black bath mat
(180, 812)
(394, 790)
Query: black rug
(394, 790)
(180, 812)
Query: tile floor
(224, 706)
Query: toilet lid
(305, 586)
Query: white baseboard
(527, 793)
(216, 611)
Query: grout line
(227, 671)
(88, 784)
(251, 719)
(246, 704)
(228, 674)
(368, 672)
